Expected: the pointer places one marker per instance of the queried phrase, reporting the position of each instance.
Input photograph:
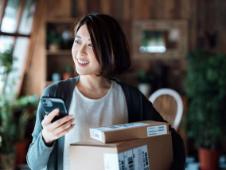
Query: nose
(82, 49)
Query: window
(16, 18)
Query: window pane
(6, 43)
(9, 18)
(27, 17)
(20, 53)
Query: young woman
(94, 98)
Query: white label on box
(129, 159)
(111, 161)
(141, 158)
(121, 161)
(156, 130)
(132, 159)
(121, 126)
(96, 134)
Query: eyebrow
(79, 37)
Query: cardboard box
(129, 131)
(154, 153)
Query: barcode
(130, 163)
(122, 165)
(145, 159)
(132, 159)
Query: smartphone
(49, 104)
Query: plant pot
(208, 159)
(7, 161)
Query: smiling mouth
(82, 62)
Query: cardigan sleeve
(39, 153)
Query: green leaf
(205, 87)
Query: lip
(82, 62)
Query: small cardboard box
(128, 131)
(154, 153)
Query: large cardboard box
(154, 153)
(128, 131)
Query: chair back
(169, 104)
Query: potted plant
(12, 126)
(24, 108)
(206, 90)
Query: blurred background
(177, 46)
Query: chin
(83, 72)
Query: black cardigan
(139, 108)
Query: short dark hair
(109, 42)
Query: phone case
(49, 104)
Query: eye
(90, 45)
(77, 41)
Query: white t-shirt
(88, 113)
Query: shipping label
(132, 159)
(156, 130)
(96, 134)
(121, 126)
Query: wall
(202, 16)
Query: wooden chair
(169, 104)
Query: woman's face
(83, 53)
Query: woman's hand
(54, 130)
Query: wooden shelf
(58, 58)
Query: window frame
(16, 35)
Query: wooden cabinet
(59, 40)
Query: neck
(93, 87)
